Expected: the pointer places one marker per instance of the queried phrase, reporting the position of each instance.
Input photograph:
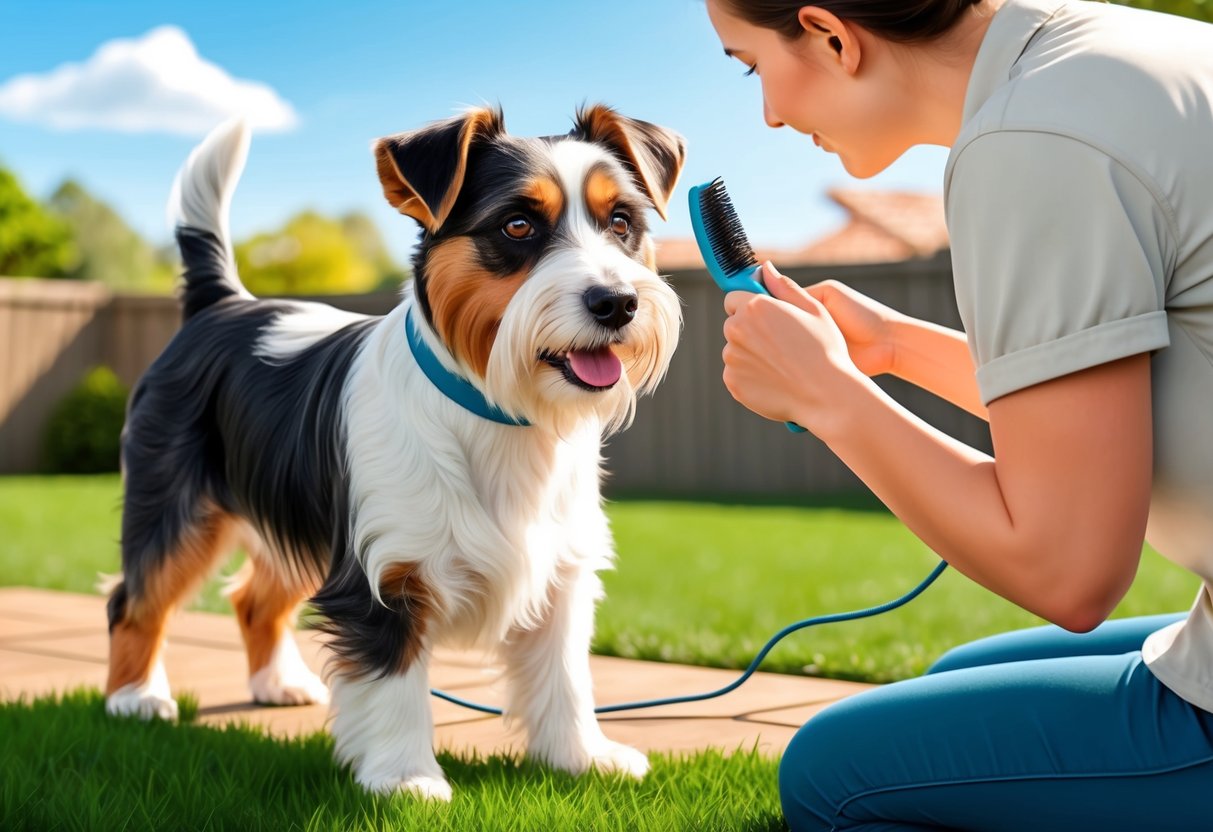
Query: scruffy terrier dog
(429, 477)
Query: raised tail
(198, 212)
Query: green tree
(1198, 9)
(314, 254)
(364, 234)
(108, 250)
(33, 242)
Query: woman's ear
(834, 34)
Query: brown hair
(907, 21)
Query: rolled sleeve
(1059, 257)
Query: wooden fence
(688, 438)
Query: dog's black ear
(654, 154)
(422, 171)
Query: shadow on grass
(66, 765)
(862, 501)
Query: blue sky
(335, 76)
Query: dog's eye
(518, 228)
(620, 224)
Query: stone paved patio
(56, 640)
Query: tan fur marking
(136, 640)
(467, 301)
(265, 608)
(399, 192)
(605, 125)
(401, 582)
(478, 121)
(547, 196)
(133, 651)
(601, 194)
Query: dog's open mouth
(590, 369)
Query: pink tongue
(597, 368)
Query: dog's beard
(548, 316)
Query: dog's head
(535, 268)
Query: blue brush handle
(745, 280)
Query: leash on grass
(749, 671)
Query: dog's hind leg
(162, 563)
(265, 599)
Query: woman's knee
(959, 658)
(1111, 638)
(813, 782)
(1012, 646)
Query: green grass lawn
(699, 582)
(65, 765)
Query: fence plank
(689, 437)
(47, 338)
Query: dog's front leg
(549, 690)
(384, 729)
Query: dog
(428, 477)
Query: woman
(1079, 196)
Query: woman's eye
(518, 228)
(753, 69)
(620, 224)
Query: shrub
(82, 435)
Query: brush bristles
(725, 234)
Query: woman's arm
(1054, 522)
(937, 359)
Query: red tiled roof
(678, 254)
(915, 221)
(882, 226)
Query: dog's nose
(611, 307)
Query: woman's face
(810, 86)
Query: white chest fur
(490, 515)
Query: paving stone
(55, 641)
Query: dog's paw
(301, 686)
(427, 788)
(615, 757)
(140, 701)
(605, 755)
(423, 786)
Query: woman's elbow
(1086, 600)
(1083, 620)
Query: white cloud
(157, 83)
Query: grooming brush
(723, 243)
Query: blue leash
(749, 671)
(463, 393)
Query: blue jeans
(1036, 730)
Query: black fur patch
(115, 608)
(376, 638)
(213, 426)
(206, 271)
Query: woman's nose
(769, 115)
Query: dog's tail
(198, 212)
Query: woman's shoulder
(1120, 79)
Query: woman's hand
(882, 340)
(785, 358)
(866, 324)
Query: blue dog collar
(453, 386)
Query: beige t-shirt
(1080, 205)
